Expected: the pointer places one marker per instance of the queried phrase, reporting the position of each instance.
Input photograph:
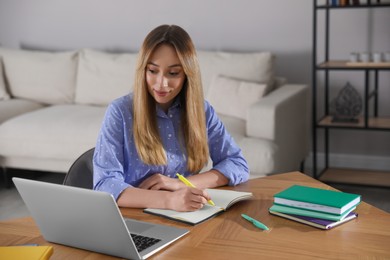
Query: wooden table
(228, 236)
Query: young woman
(165, 127)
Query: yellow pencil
(189, 184)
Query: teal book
(315, 199)
(309, 213)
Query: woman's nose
(163, 81)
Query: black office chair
(80, 173)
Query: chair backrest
(80, 173)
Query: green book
(309, 213)
(315, 199)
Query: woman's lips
(161, 93)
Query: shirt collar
(173, 108)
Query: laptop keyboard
(142, 242)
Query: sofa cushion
(234, 97)
(56, 132)
(103, 77)
(14, 107)
(3, 90)
(47, 77)
(256, 66)
(279, 82)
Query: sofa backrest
(96, 77)
(45, 77)
(255, 67)
(102, 76)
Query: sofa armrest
(283, 110)
(283, 117)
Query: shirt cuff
(235, 174)
(113, 186)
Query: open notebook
(223, 199)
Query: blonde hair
(146, 135)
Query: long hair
(146, 135)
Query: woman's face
(164, 75)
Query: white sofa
(52, 105)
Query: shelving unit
(369, 120)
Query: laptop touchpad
(137, 227)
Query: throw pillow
(3, 91)
(45, 77)
(254, 66)
(233, 97)
(103, 77)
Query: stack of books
(316, 207)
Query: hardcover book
(223, 200)
(309, 213)
(334, 202)
(26, 252)
(316, 222)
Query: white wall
(281, 26)
(116, 25)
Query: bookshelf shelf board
(359, 177)
(376, 5)
(345, 64)
(375, 123)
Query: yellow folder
(26, 252)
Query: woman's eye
(152, 71)
(173, 73)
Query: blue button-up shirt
(116, 162)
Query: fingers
(152, 183)
(146, 184)
(193, 205)
(203, 195)
(198, 198)
(206, 195)
(187, 199)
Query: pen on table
(189, 184)
(255, 222)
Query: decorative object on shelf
(347, 105)
(377, 57)
(365, 57)
(387, 56)
(368, 59)
(354, 57)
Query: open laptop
(91, 220)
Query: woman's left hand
(161, 182)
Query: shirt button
(170, 115)
(172, 156)
(169, 135)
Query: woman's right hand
(187, 199)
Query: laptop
(91, 220)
